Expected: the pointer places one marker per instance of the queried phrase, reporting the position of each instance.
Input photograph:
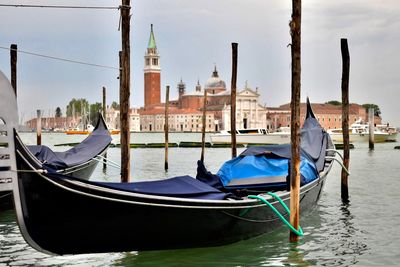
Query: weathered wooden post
(371, 121)
(124, 91)
(203, 132)
(13, 63)
(39, 127)
(233, 98)
(104, 117)
(295, 31)
(166, 128)
(345, 117)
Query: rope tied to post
(298, 232)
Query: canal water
(364, 232)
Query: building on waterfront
(185, 113)
(249, 112)
(328, 115)
(54, 123)
(179, 120)
(113, 119)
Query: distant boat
(79, 130)
(88, 130)
(359, 132)
(254, 136)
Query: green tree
(115, 105)
(334, 102)
(377, 111)
(79, 106)
(58, 112)
(94, 112)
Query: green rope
(294, 230)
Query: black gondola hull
(62, 217)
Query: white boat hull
(269, 138)
(355, 138)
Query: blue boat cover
(264, 166)
(261, 171)
(93, 145)
(180, 187)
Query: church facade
(185, 113)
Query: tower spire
(215, 72)
(198, 86)
(152, 40)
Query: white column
(251, 115)
(257, 119)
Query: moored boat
(359, 132)
(89, 129)
(78, 161)
(253, 136)
(66, 215)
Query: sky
(192, 37)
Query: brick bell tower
(152, 73)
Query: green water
(362, 233)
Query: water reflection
(336, 241)
(272, 249)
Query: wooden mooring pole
(39, 127)
(104, 117)
(13, 63)
(203, 132)
(295, 31)
(124, 91)
(345, 118)
(233, 98)
(166, 128)
(371, 121)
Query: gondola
(80, 161)
(59, 214)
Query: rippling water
(362, 233)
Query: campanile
(152, 73)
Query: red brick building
(54, 123)
(329, 116)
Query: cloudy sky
(192, 36)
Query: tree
(94, 112)
(115, 105)
(377, 111)
(58, 112)
(334, 102)
(77, 106)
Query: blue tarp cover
(93, 145)
(266, 171)
(180, 187)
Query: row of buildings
(185, 113)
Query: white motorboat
(254, 136)
(359, 132)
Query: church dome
(215, 81)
